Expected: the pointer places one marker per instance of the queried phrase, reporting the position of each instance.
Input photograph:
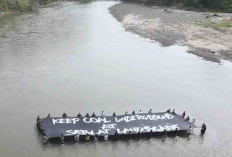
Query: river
(77, 58)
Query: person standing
(49, 116)
(116, 136)
(203, 129)
(106, 137)
(79, 115)
(150, 134)
(76, 137)
(102, 114)
(183, 114)
(87, 137)
(62, 139)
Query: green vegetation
(22, 5)
(222, 25)
(215, 5)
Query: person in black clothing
(93, 115)
(169, 111)
(39, 126)
(114, 114)
(173, 111)
(87, 115)
(183, 114)
(150, 111)
(64, 115)
(138, 135)
(175, 132)
(187, 118)
(150, 134)
(165, 134)
(133, 112)
(79, 115)
(48, 116)
(116, 136)
(37, 119)
(203, 129)
(38, 122)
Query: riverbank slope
(206, 34)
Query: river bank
(206, 34)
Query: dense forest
(22, 5)
(216, 5)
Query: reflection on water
(77, 58)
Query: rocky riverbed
(208, 35)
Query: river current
(76, 58)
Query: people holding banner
(133, 112)
(114, 114)
(87, 115)
(169, 111)
(140, 111)
(126, 113)
(77, 137)
(150, 111)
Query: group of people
(183, 114)
(41, 129)
(102, 115)
(116, 135)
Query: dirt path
(201, 32)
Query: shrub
(188, 3)
(22, 5)
(44, 2)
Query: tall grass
(21, 5)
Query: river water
(77, 58)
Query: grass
(223, 25)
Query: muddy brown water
(77, 58)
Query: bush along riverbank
(212, 5)
(8, 6)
